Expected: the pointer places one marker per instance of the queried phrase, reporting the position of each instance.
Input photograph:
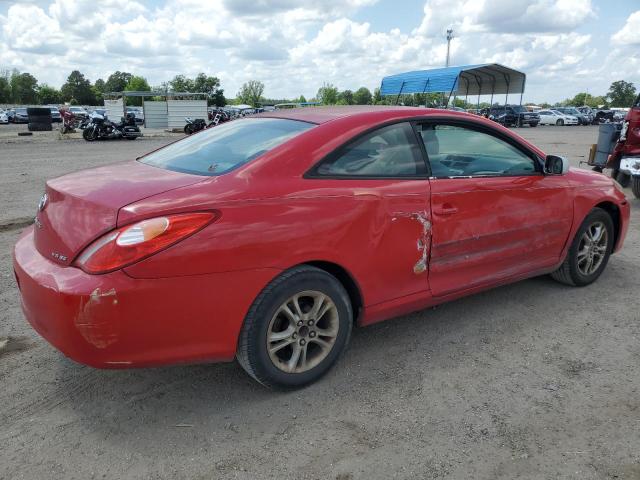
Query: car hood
(81, 206)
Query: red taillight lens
(132, 243)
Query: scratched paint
(94, 322)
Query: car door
(383, 190)
(495, 214)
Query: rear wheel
(589, 251)
(295, 329)
(622, 178)
(635, 185)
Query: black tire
(560, 123)
(635, 185)
(89, 134)
(622, 178)
(130, 138)
(569, 273)
(188, 129)
(533, 124)
(252, 351)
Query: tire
(576, 271)
(310, 286)
(560, 123)
(532, 125)
(130, 138)
(89, 134)
(635, 185)
(188, 130)
(622, 178)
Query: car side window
(390, 151)
(456, 151)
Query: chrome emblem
(43, 202)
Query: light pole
(449, 38)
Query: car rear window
(223, 148)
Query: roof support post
(479, 82)
(466, 95)
(524, 80)
(399, 93)
(451, 93)
(507, 79)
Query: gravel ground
(534, 380)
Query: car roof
(321, 115)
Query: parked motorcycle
(69, 121)
(102, 129)
(194, 126)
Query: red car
(268, 238)
(625, 158)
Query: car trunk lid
(79, 207)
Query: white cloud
(630, 32)
(294, 46)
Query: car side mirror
(556, 165)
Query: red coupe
(268, 238)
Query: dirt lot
(534, 380)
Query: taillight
(132, 243)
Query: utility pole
(449, 38)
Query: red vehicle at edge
(625, 157)
(267, 238)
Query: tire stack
(39, 119)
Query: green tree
(327, 94)
(49, 95)
(5, 90)
(377, 97)
(302, 99)
(180, 83)
(211, 86)
(621, 94)
(136, 84)
(362, 96)
(251, 93)
(117, 82)
(23, 88)
(345, 97)
(78, 88)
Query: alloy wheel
(302, 332)
(592, 248)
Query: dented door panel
(487, 229)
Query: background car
(20, 115)
(55, 115)
(267, 238)
(513, 115)
(553, 117)
(79, 112)
(574, 112)
(3, 117)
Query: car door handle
(446, 209)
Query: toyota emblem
(43, 202)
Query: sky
(294, 46)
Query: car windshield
(221, 149)
(519, 109)
(21, 111)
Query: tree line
(23, 88)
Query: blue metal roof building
(484, 79)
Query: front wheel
(589, 251)
(188, 129)
(560, 123)
(296, 329)
(90, 134)
(635, 185)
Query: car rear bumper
(116, 321)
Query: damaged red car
(267, 239)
